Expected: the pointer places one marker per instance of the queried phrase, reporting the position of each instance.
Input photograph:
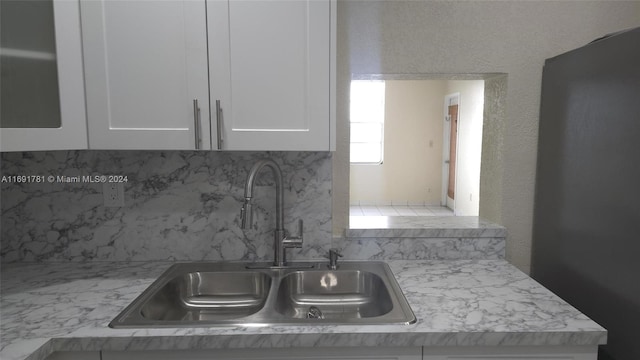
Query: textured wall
(445, 37)
(492, 164)
(179, 205)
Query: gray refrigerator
(586, 232)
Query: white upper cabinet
(272, 66)
(146, 74)
(154, 72)
(42, 88)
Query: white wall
(412, 167)
(469, 152)
(448, 37)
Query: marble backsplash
(179, 205)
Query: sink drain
(314, 313)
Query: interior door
(449, 149)
(453, 142)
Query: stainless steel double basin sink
(255, 294)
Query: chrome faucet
(281, 241)
(334, 254)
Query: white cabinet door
(42, 91)
(145, 66)
(273, 69)
(345, 353)
(74, 355)
(511, 353)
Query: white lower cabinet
(511, 353)
(74, 355)
(347, 353)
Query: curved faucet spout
(248, 193)
(280, 239)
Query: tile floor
(399, 210)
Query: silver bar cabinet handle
(196, 123)
(219, 121)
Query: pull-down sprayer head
(246, 213)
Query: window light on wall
(367, 121)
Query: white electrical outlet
(113, 194)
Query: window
(367, 121)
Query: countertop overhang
(48, 307)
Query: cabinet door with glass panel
(41, 87)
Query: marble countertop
(422, 226)
(47, 307)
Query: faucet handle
(334, 254)
(295, 242)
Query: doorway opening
(431, 141)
